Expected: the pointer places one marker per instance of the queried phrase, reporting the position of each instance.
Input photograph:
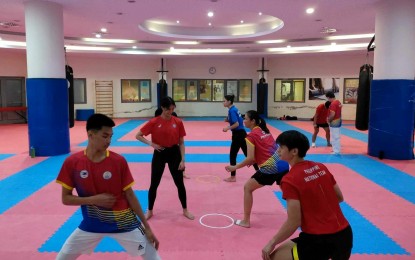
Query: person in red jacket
(313, 197)
(320, 120)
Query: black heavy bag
(363, 97)
(161, 91)
(262, 95)
(69, 78)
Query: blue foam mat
(367, 238)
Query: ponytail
(259, 121)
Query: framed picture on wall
(179, 90)
(145, 90)
(286, 91)
(350, 90)
(318, 87)
(129, 91)
(218, 90)
(245, 90)
(289, 90)
(205, 90)
(232, 88)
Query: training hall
(62, 61)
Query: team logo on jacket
(107, 175)
(174, 125)
(83, 174)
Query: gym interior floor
(379, 196)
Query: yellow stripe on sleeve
(64, 185)
(128, 186)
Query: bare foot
(188, 215)
(185, 176)
(242, 223)
(230, 179)
(149, 214)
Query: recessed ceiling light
(333, 44)
(172, 48)
(260, 13)
(210, 24)
(288, 46)
(177, 21)
(98, 35)
(104, 30)
(210, 14)
(309, 10)
(242, 21)
(134, 47)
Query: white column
(44, 40)
(395, 40)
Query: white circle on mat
(208, 179)
(216, 214)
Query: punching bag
(69, 78)
(262, 95)
(363, 97)
(161, 91)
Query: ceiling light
(328, 30)
(11, 44)
(108, 40)
(352, 36)
(203, 50)
(309, 10)
(134, 47)
(210, 14)
(288, 46)
(210, 24)
(98, 35)
(186, 42)
(242, 21)
(87, 48)
(177, 21)
(104, 30)
(270, 41)
(333, 44)
(260, 13)
(172, 48)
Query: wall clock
(212, 70)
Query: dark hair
(330, 95)
(158, 112)
(166, 102)
(294, 139)
(97, 121)
(327, 104)
(230, 98)
(259, 121)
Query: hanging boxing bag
(363, 97)
(262, 95)
(69, 78)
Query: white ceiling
(283, 21)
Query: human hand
(266, 252)
(152, 238)
(230, 168)
(104, 200)
(225, 129)
(157, 147)
(182, 166)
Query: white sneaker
(313, 145)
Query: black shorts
(336, 246)
(323, 125)
(268, 179)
